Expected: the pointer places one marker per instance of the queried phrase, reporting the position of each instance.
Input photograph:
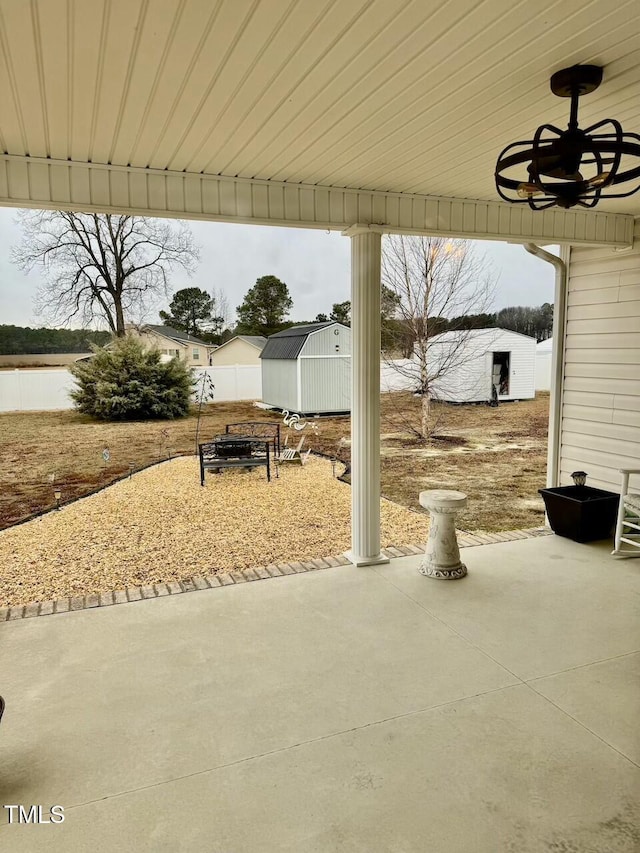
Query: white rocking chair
(627, 535)
(294, 454)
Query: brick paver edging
(139, 593)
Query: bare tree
(537, 322)
(101, 266)
(437, 282)
(222, 310)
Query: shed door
(500, 372)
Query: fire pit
(227, 447)
(233, 452)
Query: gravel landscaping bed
(161, 526)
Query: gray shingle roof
(257, 340)
(175, 335)
(288, 343)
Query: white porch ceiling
(401, 96)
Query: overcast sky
(314, 265)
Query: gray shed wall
(280, 383)
(326, 384)
(324, 342)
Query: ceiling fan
(573, 166)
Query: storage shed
(307, 369)
(544, 352)
(474, 361)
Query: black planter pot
(581, 513)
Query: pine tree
(128, 382)
(265, 307)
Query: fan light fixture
(572, 166)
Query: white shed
(474, 361)
(307, 369)
(543, 365)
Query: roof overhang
(151, 331)
(316, 115)
(64, 185)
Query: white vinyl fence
(48, 389)
(35, 390)
(543, 365)
(234, 382)
(401, 374)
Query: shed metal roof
(476, 334)
(288, 343)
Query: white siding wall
(600, 426)
(236, 352)
(522, 383)
(465, 382)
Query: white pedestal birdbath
(442, 555)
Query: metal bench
(266, 430)
(231, 451)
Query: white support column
(365, 395)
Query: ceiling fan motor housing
(579, 79)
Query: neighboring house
(172, 343)
(476, 360)
(307, 369)
(243, 349)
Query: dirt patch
(440, 443)
(502, 486)
(36, 446)
(496, 455)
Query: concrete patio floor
(358, 710)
